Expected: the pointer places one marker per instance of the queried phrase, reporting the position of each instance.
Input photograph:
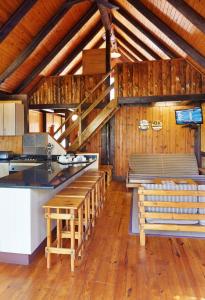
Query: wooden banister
(84, 100)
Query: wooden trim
(167, 98)
(146, 32)
(16, 18)
(136, 39)
(163, 27)
(189, 13)
(56, 49)
(35, 42)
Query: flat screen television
(189, 116)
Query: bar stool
(96, 182)
(55, 210)
(108, 170)
(85, 194)
(101, 175)
(92, 189)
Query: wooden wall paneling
(11, 143)
(135, 80)
(130, 139)
(166, 78)
(35, 121)
(203, 129)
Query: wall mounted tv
(189, 116)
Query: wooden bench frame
(142, 215)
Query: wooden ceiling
(41, 38)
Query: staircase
(83, 110)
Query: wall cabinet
(11, 119)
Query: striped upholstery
(161, 165)
(201, 199)
(170, 186)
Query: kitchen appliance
(6, 155)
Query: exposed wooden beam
(127, 53)
(136, 39)
(35, 41)
(193, 16)
(56, 49)
(163, 27)
(79, 48)
(167, 98)
(154, 39)
(16, 18)
(129, 46)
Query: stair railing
(83, 113)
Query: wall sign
(157, 125)
(143, 125)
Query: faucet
(49, 149)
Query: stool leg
(59, 239)
(86, 219)
(48, 238)
(80, 230)
(93, 207)
(89, 221)
(72, 242)
(96, 199)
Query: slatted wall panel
(66, 89)
(130, 139)
(157, 78)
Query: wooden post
(141, 216)
(48, 238)
(72, 242)
(197, 145)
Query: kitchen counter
(45, 176)
(22, 195)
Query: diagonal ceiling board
(79, 48)
(178, 40)
(154, 39)
(16, 18)
(132, 44)
(134, 38)
(56, 49)
(35, 42)
(128, 54)
(125, 56)
(120, 43)
(193, 16)
(129, 46)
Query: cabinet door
(9, 119)
(1, 119)
(19, 119)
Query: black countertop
(48, 175)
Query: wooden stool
(100, 174)
(108, 170)
(92, 188)
(96, 182)
(55, 210)
(85, 194)
(100, 179)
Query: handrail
(84, 114)
(84, 100)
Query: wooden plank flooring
(114, 266)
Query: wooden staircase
(83, 110)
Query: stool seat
(82, 185)
(73, 192)
(64, 203)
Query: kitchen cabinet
(4, 169)
(11, 119)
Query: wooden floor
(114, 267)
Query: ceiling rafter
(163, 27)
(56, 49)
(124, 55)
(78, 49)
(35, 42)
(16, 18)
(136, 39)
(129, 46)
(127, 53)
(193, 16)
(154, 39)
